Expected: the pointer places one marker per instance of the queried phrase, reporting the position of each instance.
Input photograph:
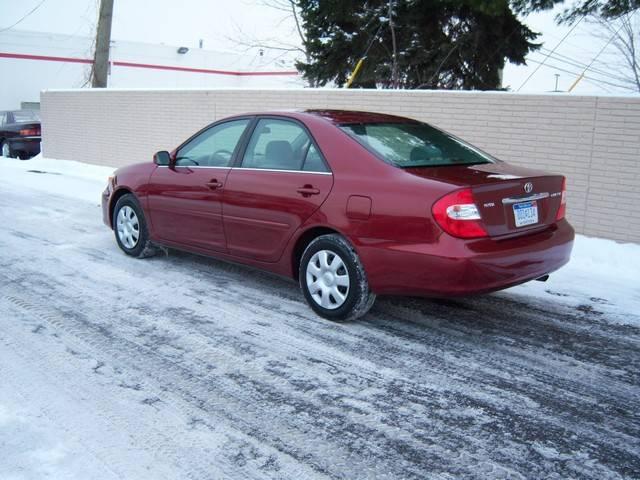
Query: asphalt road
(186, 367)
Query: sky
(220, 24)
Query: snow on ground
(60, 177)
(602, 272)
(186, 367)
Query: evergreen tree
(439, 43)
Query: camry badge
(528, 187)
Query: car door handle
(214, 184)
(308, 190)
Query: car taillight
(562, 210)
(28, 132)
(458, 215)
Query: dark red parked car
(349, 204)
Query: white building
(34, 61)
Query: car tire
(130, 228)
(7, 151)
(333, 280)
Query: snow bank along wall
(594, 141)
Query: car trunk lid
(511, 200)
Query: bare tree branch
(625, 34)
(291, 14)
(296, 18)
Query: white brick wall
(594, 141)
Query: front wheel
(333, 279)
(130, 228)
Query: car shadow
(503, 313)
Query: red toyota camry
(349, 204)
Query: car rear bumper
(466, 267)
(29, 145)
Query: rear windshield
(415, 144)
(26, 116)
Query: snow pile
(68, 168)
(601, 272)
(61, 177)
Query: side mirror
(162, 158)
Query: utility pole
(103, 42)
(394, 65)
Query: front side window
(214, 147)
(415, 144)
(282, 145)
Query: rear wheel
(130, 228)
(333, 280)
(7, 151)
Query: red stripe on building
(46, 58)
(198, 70)
(23, 56)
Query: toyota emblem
(528, 187)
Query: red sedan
(349, 204)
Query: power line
(440, 66)
(554, 49)
(358, 66)
(596, 57)
(23, 18)
(570, 42)
(577, 64)
(551, 54)
(593, 79)
(617, 85)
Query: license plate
(525, 213)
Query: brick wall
(594, 141)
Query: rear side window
(26, 116)
(415, 144)
(282, 145)
(314, 162)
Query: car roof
(336, 117)
(19, 110)
(355, 116)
